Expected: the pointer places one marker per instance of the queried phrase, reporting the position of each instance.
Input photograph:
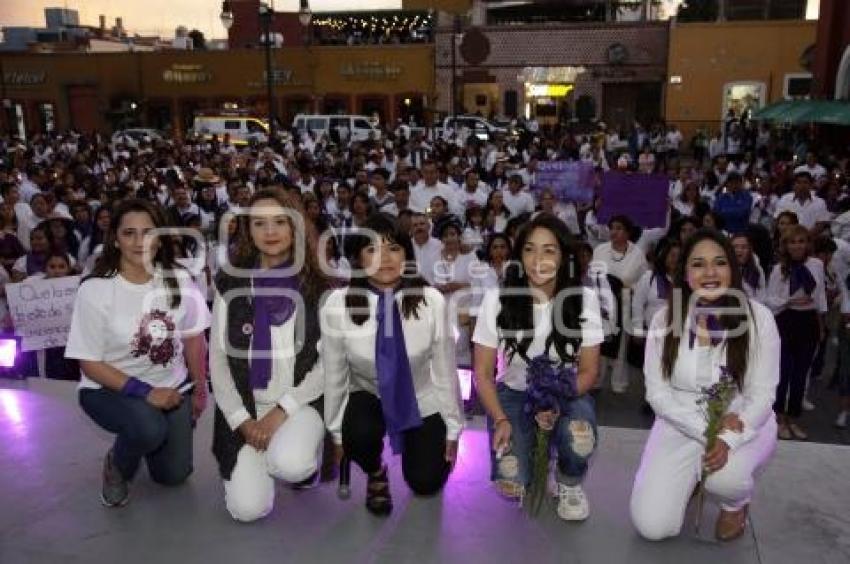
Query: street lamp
(305, 16)
(266, 15)
(457, 36)
(226, 15)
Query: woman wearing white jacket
(686, 352)
(388, 357)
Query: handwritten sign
(640, 197)
(41, 311)
(570, 181)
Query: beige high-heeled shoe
(731, 524)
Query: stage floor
(50, 460)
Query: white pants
(292, 456)
(669, 472)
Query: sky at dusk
(159, 17)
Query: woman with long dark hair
(138, 332)
(654, 287)
(752, 275)
(388, 357)
(708, 328)
(264, 364)
(796, 292)
(542, 310)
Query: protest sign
(640, 197)
(41, 310)
(570, 181)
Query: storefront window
(743, 97)
(47, 117)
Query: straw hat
(206, 176)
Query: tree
(198, 40)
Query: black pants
(423, 461)
(799, 332)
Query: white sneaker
(572, 503)
(841, 420)
(807, 405)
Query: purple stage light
(8, 352)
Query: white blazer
(348, 358)
(674, 400)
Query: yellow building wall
(708, 56)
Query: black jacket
(240, 314)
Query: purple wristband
(135, 388)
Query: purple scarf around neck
(273, 306)
(392, 368)
(712, 323)
(799, 276)
(750, 275)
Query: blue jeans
(574, 451)
(162, 438)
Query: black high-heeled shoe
(378, 498)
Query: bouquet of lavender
(714, 402)
(551, 385)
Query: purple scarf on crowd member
(36, 263)
(750, 275)
(712, 323)
(392, 367)
(662, 285)
(799, 276)
(269, 310)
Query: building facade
(101, 92)
(740, 66)
(614, 71)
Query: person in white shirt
(265, 372)
(139, 336)
(565, 211)
(654, 288)
(388, 358)
(30, 215)
(752, 275)
(516, 198)
(422, 193)
(737, 341)
(810, 209)
(796, 292)
(812, 166)
(627, 262)
(544, 272)
(426, 249)
(841, 267)
(473, 192)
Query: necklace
(622, 254)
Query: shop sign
(280, 77)
(372, 70)
(550, 74)
(549, 90)
(187, 74)
(24, 78)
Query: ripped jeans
(575, 438)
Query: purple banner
(640, 197)
(570, 181)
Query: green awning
(806, 111)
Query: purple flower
(551, 385)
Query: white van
(243, 130)
(358, 128)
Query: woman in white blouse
(797, 295)
(752, 275)
(543, 300)
(388, 357)
(264, 357)
(627, 262)
(654, 287)
(688, 348)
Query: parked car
(243, 130)
(134, 136)
(358, 128)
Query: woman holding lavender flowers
(711, 349)
(541, 313)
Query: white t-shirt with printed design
(133, 328)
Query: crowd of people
(342, 287)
